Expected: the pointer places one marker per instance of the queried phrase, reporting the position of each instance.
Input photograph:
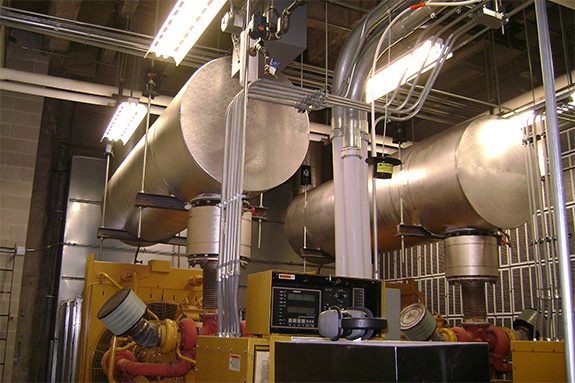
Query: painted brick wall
(20, 120)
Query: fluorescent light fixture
(183, 27)
(125, 121)
(388, 78)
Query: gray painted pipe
(185, 152)
(555, 163)
(470, 176)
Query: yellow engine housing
(157, 284)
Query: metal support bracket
(123, 235)
(417, 231)
(161, 202)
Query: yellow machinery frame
(156, 282)
(538, 361)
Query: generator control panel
(290, 303)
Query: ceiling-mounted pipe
(56, 93)
(75, 86)
(64, 95)
(443, 182)
(536, 97)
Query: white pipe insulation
(77, 87)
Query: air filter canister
(417, 323)
(122, 311)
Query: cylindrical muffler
(203, 238)
(470, 176)
(185, 152)
(471, 257)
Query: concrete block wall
(19, 129)
(20, 121)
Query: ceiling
(488, 66)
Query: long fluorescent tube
(125, 121)
(183, 27)
(388, 79)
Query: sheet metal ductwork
(470, 176)
(185, 152)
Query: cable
(45, 247)
(444, 4)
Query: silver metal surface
(472, 175)
(70, 287)
(417, 323)
(83, 187)
(317, 216)
(85, 216)
(186, 151)
(68, 338)
(82, 221)
(204, 232)
(560, 216)
(471, 257)
(74, 261)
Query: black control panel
(298, 299)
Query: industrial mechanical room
(287, 191)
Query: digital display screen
(301, 297)
(301, 310)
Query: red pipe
(189, 334)
(462, 335)
(210, 325)
(499, 341)
(127, 365)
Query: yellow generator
(170, 295)
(148, 323)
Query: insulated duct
(470, 176)
(185, 152)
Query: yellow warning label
(382, 167)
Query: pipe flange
(201, 259)
(351, 151)
(169, 331)
(337, 132)
(470, 231)
(189, 334)
(445, 334)
(206, 199)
